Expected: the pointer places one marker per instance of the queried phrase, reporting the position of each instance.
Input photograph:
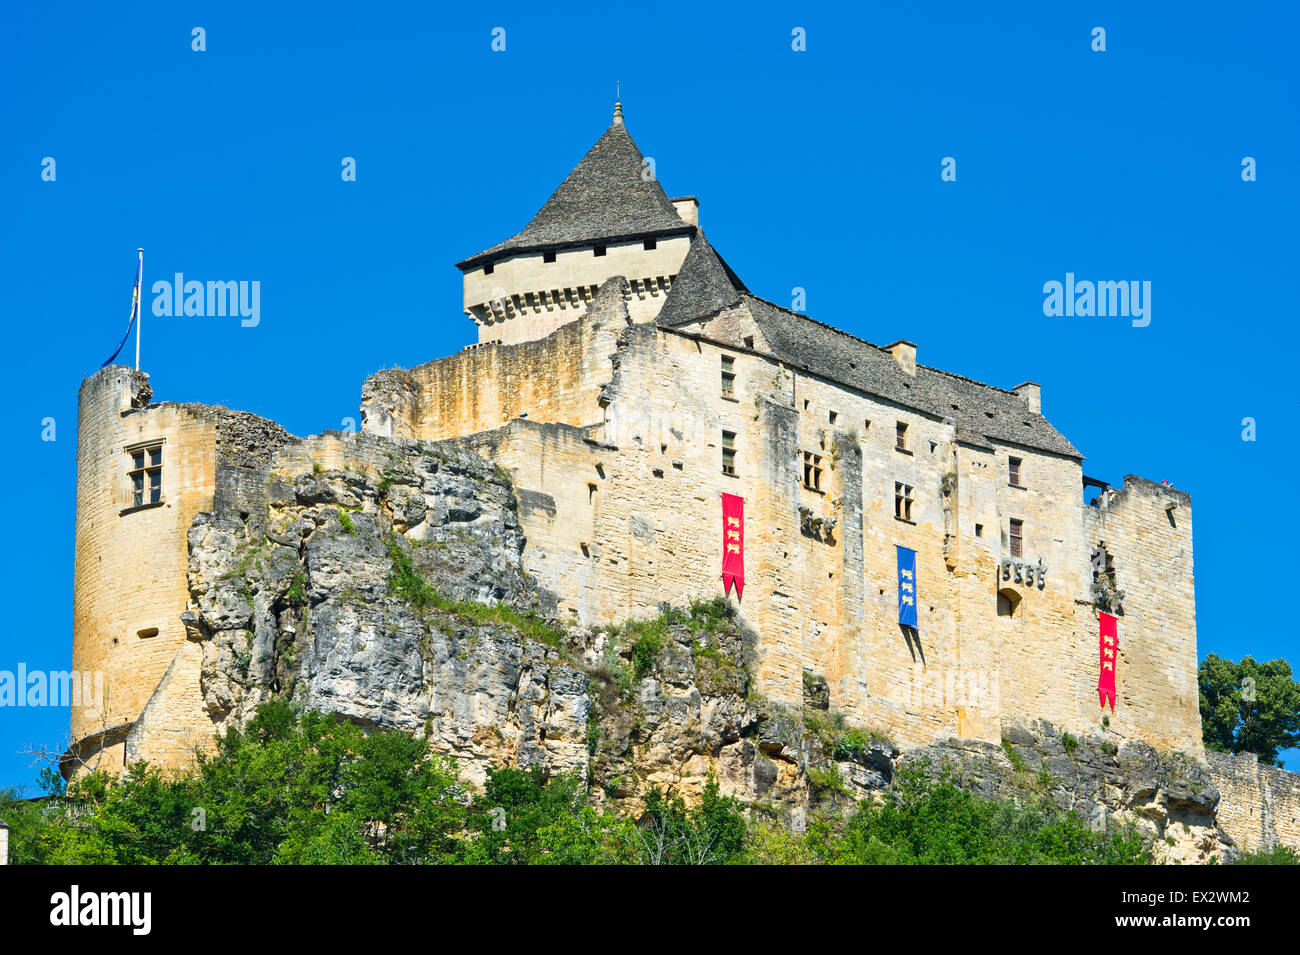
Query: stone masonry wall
(1261, 804)
(129, 568)
(1147, 529)
(552, 379)
(625, 515)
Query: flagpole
(139, 312)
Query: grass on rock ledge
(409, 584)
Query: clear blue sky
(226, 165)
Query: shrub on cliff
(933, 822)
(315, 789)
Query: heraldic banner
(1109, 650)
(733, 543)
(907, 587)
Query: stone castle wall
(550, 379)
(625, 514)
(525, 298)
(1147, 529)
(1260, 805)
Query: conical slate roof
(604, 198)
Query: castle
(631, 383)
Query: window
(1017, 538)
(649, 244)
(146, 474)
(488, 268)
(1008, 601)
(729, 452)
(979, 530)
(900, 431)
(1013, 472)
(548, 256)
(834, 415)
(812, 471)
(866, 425)
(902, 501)
(728, 377)
(749, 341)
(598, 251)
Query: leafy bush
(1278, 855)
(931, 822)
(315, 789)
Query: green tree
(1249, 707)
(314, 789)
(714, 832)
(525, 818)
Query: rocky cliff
(395, 596)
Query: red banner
(733, 543)
(1109, 652)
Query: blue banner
(907, 587)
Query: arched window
(1008, 602)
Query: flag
(1109, 656)
(906, 586)
(135, 311)
(733, 543)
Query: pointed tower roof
(605, 197)
(703, 287)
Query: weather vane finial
(618, 103)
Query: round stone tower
(143, 471)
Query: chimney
(904, 353)
(688, 209)
(1031, 393)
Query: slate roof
(704, 286)
(979, 412)
(976, 409)
(604, 198)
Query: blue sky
(818, 169)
